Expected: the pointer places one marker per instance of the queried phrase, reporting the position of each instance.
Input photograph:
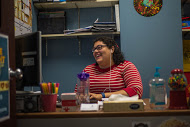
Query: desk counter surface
(146, 113)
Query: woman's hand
(96, 96)
(107, 95)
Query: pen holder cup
(49, 102)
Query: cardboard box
(53, 22)
(122, 106)
(68, 102)
(185, 24)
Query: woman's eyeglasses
(99, 47)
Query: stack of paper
(85, 29)
(104, 26)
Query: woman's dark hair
(117, 55)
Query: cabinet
(78, 5)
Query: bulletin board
(4, 79)
(23, 16)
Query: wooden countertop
(146, 113)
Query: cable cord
(110, 76)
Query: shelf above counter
(76, 4)
(185, 30)
(83, 34)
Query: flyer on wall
(4, 79)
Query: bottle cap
(157, 74)
(83, 76)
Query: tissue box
(122, 106)
(68, 102)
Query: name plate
(89, 107)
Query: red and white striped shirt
(124, 76)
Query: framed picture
(4, 79)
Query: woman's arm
(107, 95)
(132, 80)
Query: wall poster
(4, 79)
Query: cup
(49, 102)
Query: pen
(46, 88)
(53, 89)
(57, 88)
(49, 87)
(54, 84)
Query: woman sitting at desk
(112, 74)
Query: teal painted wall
(152, 41)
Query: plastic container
(177, 83)
(177, 80)
(49, 102)
(83, 88)
(158, 95)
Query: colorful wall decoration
(148, 8)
